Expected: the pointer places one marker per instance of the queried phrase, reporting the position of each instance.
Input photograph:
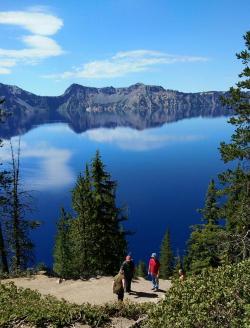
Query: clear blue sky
(184, 45)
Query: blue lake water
(162, 175)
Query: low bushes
(19, 304)
(215, 298)
(24, 305)
(127, 309)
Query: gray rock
(138, 106)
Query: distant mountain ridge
(138, 106)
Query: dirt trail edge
(93, 291)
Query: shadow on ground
(143, 294)
(161, 291)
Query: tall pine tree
(84, 228)
(236, 182)
(111, 245)
(96, 237)
(18, 227)
(141, 270)
(203, 248)
(166, 257)
(63, 248)
(210, 212)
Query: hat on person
(153, 255)
(128, 258)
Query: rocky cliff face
(138, 106)
(138, 98)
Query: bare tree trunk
(16, 207)
(3, 255)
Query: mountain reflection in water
(20, 122)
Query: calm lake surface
(162, 175)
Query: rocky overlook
(138, 106)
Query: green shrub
(127, 309)
(215, 298)
(19, 304)
(41, 266)
(141, 270)
(18, 273)
(28, 306)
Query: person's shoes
(153, 288)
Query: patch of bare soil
(93, 291)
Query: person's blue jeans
(155, 281)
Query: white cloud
(38, 45)
(123, 63)
(5, 65)
(127, 138)
(53, 170)
(4, 70)
(35, 22)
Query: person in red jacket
(153, 271)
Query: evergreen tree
(95, 235)
(210, 212)
(236, 181)
(141, 270)
(166, 257)
(63, 251)
(17, 226)
(14, 227)
(203, 248)
(84, 229)
(111, 246)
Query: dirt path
(94, 291)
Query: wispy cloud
(37, 45)
(127, 138)
(53, 170)
(123, 63)
(35, 22)
(5, 65)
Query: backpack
(117, 285)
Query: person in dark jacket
(128, 267)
